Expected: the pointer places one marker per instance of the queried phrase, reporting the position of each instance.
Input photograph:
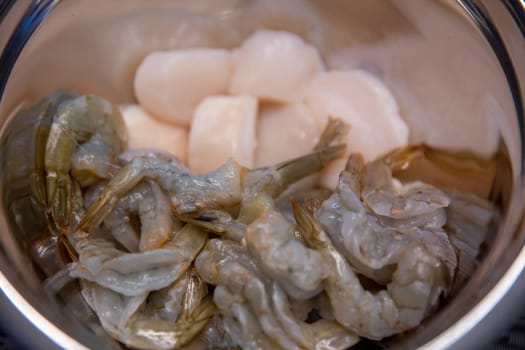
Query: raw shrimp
(128, 319)
(298, 269)
(23, 165)
(167, 303)
(214, 335)
(227, 265)
(240, 322)
(469, 220)
(323, 334)
(187, 192)
(262, 185)
(260, 188)
(153, 209)
(218, 221)
(417, 282)
(130, 154)
(223, 188)
(113, 310)
(133, 274)
(86, 135)
(373, 219)
(385, 197)
(256, 310)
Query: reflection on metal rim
(40, 322)
(483, 21)
(463, 326)
(467, 322)
(33, 16)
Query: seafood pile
(274, 93)
(167, 256)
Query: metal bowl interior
(455, 67)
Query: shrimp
(263, 185)
(215, 336)
(469, 221)
(196, 312)
(23, 147)
(417, 282)
(388, 198)
(133, 274)
(218, 221)
(86, 135)
(226, 187)
(128, 318)
(374, 219)
(167, 303)
(298, 269)
(260, 188)
(113, 310)
(240, 322)
(256, 310)
(153, 208)
(188, 192)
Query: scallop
(367, 105)
(223, 127)
(284, 132)
(144, 131)
(170, 84)
(274, 65)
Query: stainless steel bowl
(457, 69)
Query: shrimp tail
(125, 180)
(401, 158)
(59, 193)
(334, 130)
(295, 169)
(193, 320)
(308, 227)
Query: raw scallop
(170, 84)
(274, 65)
(367, 105)
(144, 131)
(223, 127)
(285, 132)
